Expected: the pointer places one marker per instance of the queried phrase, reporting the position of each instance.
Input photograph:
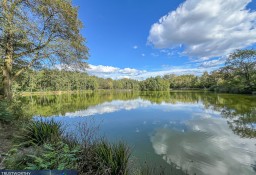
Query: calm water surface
(200, 132)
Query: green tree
(154, 84)
(205, 80)
(35, 33)
(242, 64)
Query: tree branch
(35, 49)
(27, 67)
(40, 46)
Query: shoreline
(43, 93)
(24, 94)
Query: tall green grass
(115, 157)
(39, 133)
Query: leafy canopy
(41, 33)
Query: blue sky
(140, 39)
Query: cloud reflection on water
(210, 147)
(118, 105)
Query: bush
(39, 133)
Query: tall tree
(38, 33)
(242, 63)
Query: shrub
(39, 133)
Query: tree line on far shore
(237, 76)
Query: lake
(193, 131)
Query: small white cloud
(135, 47)
(128, 71)
(113, 72)
(143, 54)
(102, 69)
(206, 28)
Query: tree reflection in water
(239, 110)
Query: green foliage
(5, 114)
(54, 156)
(154, 84)
(39, 133)
(183, 81)
(18, 158)
(238, 75)
(49, 34)
(50, 156)
(11, 110)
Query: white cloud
(128, 71)
(135, 47)
(102, 69)
(113, 72)
(119, 73)
(143, 55)
(206, 28)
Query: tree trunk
(7, 72)
(7, 84)
(9, 50)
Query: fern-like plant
(55, 156)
